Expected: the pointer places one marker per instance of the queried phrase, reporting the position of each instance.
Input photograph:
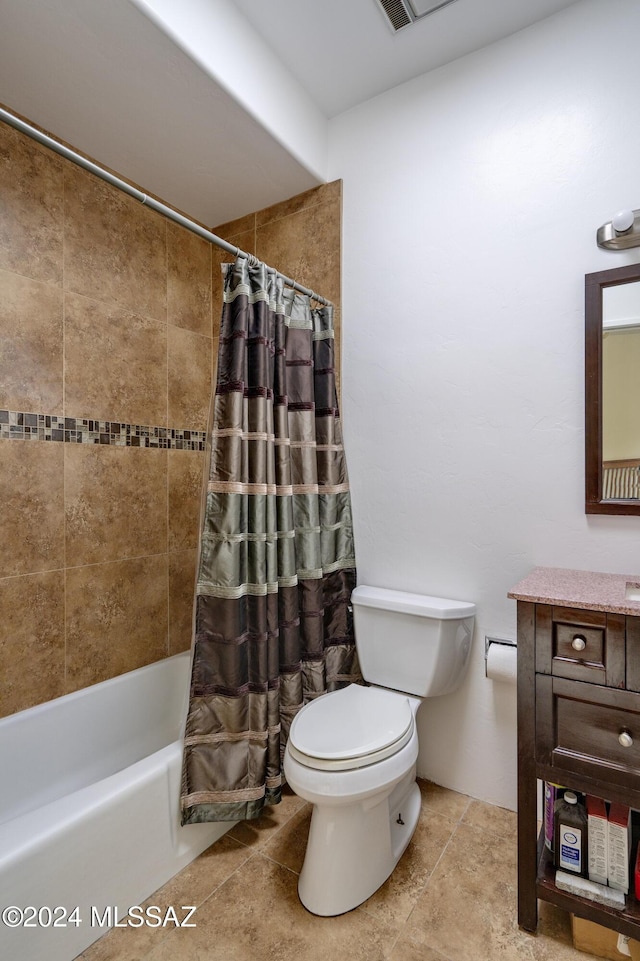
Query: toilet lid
(351, 727)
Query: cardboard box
(596, 939)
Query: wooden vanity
(578, 716)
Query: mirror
(612, 391)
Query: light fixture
(402, 13)
(621, 232)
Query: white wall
(471, 201)
(224, 44)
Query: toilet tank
(412, 642)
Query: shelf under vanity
(578, 717)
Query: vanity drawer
(581, 648)
(581, 645)
(589, 730)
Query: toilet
(352, 753)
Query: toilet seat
(351, 728)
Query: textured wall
(107, 321)
(472, 196)
(620, 394)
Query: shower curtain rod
(126, 188)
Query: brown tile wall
(109, 312)
(105, 313)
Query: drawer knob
(578, 643)
(625, 739)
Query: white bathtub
(89, 807)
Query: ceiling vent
(402, 13)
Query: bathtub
(89, 809)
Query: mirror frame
(594, 285)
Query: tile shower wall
(105, 378)
(108, 332)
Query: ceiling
(115, 83)
(345, 51)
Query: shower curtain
(273, 621)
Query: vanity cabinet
(578, 717)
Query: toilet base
(352, 849)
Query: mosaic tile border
(18, 425)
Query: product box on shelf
(619, 846)
(598, 840)
(551, 794)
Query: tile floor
(451, 898)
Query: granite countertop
(583, 589)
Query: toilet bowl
(362, 789)
(352, 753)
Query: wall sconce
(622, 231)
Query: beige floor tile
(451, 898)
(409, 951)
(200, 879)
(126, 943)
(257, 914)
(475, 878)
(491, 818)
(288, 845)
(395, 900)
(122, 944)
(258, 832)
(468, 909)
(440, 800)
(190, 886)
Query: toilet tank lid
(423, 605)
